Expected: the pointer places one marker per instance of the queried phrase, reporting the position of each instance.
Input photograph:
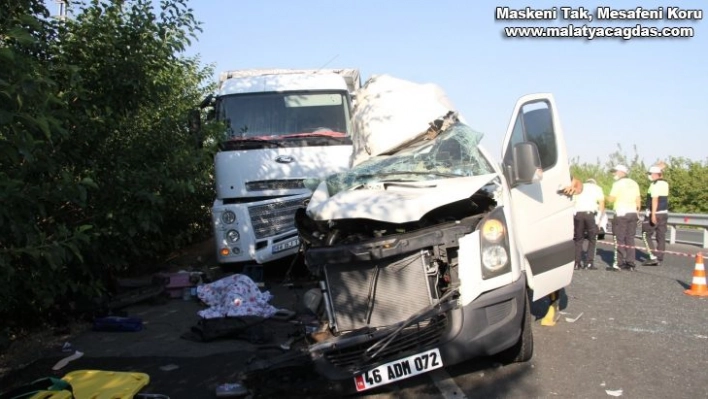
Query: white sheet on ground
(235, 295)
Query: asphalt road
(637, 335)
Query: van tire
(522, 351)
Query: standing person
(657, 216)
(587, 205)
(627, 202)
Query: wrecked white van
(429, 252)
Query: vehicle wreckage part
(485, 327)
(445, 234)
(312, 300)
(376, 294)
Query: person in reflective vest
(656, 216)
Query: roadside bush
(98, 173)
(687, 178)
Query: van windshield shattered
(453, 153)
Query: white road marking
(446, 385)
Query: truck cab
(283, 127)
(429, 252)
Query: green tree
(687, 178)
(688, 183)
(99, 174)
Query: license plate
(280, 247)
(399, 370)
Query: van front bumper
(488, 325)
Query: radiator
(400, 291)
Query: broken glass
(452, 153)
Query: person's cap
(655, 169)
(620, 168)
(591, 180)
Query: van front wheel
(522, 351)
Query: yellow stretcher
(98, 384)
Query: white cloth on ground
(235, 295)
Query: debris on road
(617, 392)
(573, 320)
(169, 367)
(118, 324)
(230, 390)
(63, 362)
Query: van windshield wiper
(327, 134)
(236, 141)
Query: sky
(648, 93)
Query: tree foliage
(687, 178)
(98, 171)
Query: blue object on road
(120, 324)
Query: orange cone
(698, 286)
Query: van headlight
(494, 258)
(228, 217)
(494, 245)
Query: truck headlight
(494, 245)
(228, 217)
(232, 235)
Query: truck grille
(400, 290)
(263, 185)
(274, 218)
(414, 338)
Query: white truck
(428, 251)
(284, 126)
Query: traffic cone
(552, 315)
(698, 286)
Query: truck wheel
(522, 351)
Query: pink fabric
(235, 295)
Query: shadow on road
(684, 284)
(487, 378)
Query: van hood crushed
(433, 169)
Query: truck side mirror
(526, 164)
(194, 119)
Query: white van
(429, 253)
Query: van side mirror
(194, 121)
(526, 164)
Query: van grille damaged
(386, 295)
(369, 294)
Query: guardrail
(700, 221)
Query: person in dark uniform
(627, 202)
(657, 216)
(587, 205)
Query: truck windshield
(294, 114)
(453, 153)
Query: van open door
(543, 215)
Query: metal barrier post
(672, 234)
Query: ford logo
(284, 159)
